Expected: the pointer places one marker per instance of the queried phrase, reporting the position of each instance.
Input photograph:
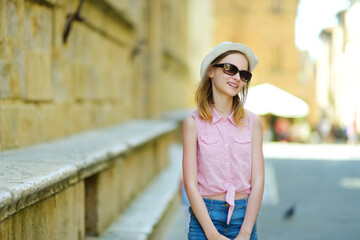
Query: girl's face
(225, 84)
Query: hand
(242, 237)
(222, 238)
(219, 237)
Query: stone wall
(78, 186)
(39, 221)
(126, 60)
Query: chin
(233, 94)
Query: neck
(223, 106)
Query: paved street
(326, 196)
(325, 193)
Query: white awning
(268, 99)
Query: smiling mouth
(232, 85)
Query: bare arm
(190, 179)
(257, 182)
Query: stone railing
(77, 186)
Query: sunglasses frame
(226, 68)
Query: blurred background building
(337, 72)
(327, 84)
(268, 27)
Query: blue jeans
(218, 211)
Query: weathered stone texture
(58, 217)
(2, 20)
(38, 35)
(60, 89)
(22, 124)
(118, 184)
(107, 73)
(109, 192)
(126, 60)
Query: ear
(211, 73)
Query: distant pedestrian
(223, 163)
(324, 129)
(351, 132)
(282, 130)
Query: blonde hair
(204, 95)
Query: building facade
(124, 60)
(338, 71)
(268, 27)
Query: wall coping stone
(32, 173)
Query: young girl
(223, 164)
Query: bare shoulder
(189, 123)
(257, 131)
(257, 123)
(189, 131)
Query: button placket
(226, 148)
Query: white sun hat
(227, 46)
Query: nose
(237, 76)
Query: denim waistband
(219, 203)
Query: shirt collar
(216, 117)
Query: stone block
(156, 202)
(108, 113)
(50, 123)
(61, 78)
(4, 50)
(2, 21)
(38, 76)
(25, 124)
(14, 11)
(37, 27)
(79, 117)
(57, 217)
(37, 34)
(161, 148)
(113, 188)
(9, 117)
(80, 78)
(4, 79)
(17, 73)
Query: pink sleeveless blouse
(224, 157)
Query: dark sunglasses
(232, 70)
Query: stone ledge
(178, 115)
(142, 216)
(30, 174)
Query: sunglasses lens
(245, 76)
(230, 69)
